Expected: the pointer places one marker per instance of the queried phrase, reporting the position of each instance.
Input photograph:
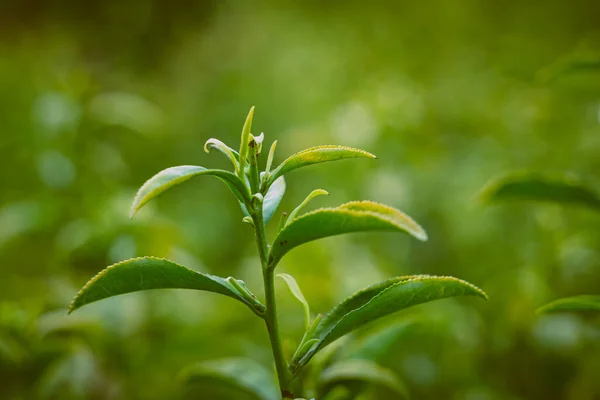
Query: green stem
(270, 316)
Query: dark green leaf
(538, 187)
(316, 155)
(273, 198)
(575, 303)
(147, 273)
(382, 299)
(240, 373)
(348, 218)
(170, 177)
(363, 371)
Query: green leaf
(382, 299)
(316, 155)
(270, 157)
(170, 177)
(539, 187)
(297, 293)
(245, 141)
(273, 198)
(312, 195)
(575, 303)
(240, 373)
(223, 148)
(377, 345)
(147, 273)
(363, 371)
(348, 218)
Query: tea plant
(259, 194)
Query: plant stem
(270, 315)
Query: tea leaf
(273, 198)
(382, 299)
(297, 293)
(397, 216)
(538, 187)
(312, 195)
(316, 155)
(170, 177)
(245, 141)
(223, 148)
(239, 373)
(147, 273)
(363, 371)
(347, 218)
(575, 303)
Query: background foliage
(95, 97)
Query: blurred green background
(95, 97)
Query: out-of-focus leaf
(69, 377)
(382, 299)
(170, 177)
(377, 345)
(245, 141)
(147, 273)
(316, 155)
(574, 65)
(351, 217)
(297, 293)
(538, 187)
(273, 198)
(240, 373)
(362, 371)
(575, 303)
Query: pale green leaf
(175, 175)
(273, 198)
(147, 273)
(539, 187)
(382, 299)
(397, 216)
(223, 148)
(297, 293)
(316, 155)
(239, 373)
(270, 157)
(362, 371)
(312, 195)
(326, 222)
(245, 141)
(575, 303)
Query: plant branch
(270, 315)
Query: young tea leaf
(316, 155)
(382, 299)
(223, 148)
(362, 371)
(147, 273)
(170, 177)
(537, 187)
(575, 303)
(273, 198)
(326, 222)
(239, 373)
(297, 293)
(312, 195)
(245, 141)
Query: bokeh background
(95, 97)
